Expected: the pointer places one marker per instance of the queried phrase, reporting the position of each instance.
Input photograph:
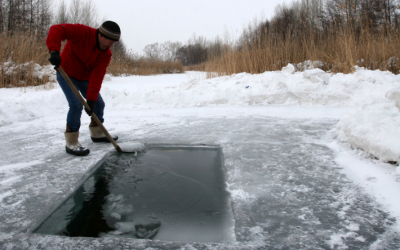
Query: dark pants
(75, 106)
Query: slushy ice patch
(166, 193)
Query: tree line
(317, 18)
(38, 15)
(25, 15)
(321, 17)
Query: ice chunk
(131, 146)
(315, 79)
(115, 198)
(309, 73)
(394, 95)
(116, 216)
(111, 197)
(144, 229)
(326, 78)
(121, 208)
(316, 76)
(125, 227)
(116, 232)
(118, 197)
(147, 231)
(289, 69)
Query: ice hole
(165, 193)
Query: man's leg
(75, 107)
(73, 120)
(99, 107)
(96, 133)
(99, 111)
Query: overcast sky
(145, 22)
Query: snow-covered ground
(306, 154)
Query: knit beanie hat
(110, 30)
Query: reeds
(134, 65)
(20, 55)
(336, 50)
(196, 67)
(24, 62)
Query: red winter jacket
(81, 58)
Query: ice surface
(365, 89)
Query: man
(85, 59)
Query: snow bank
(11, 68)
(19, 105)
(311, 87)
(374, 129)
(373, 126)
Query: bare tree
(75, 10)
(25, 15)
(1, 16)
(89, 14)
(61, 15)
(10, 15)
(84, 12)
(152, 51)
(44, 15)
(119, 49)
(169, 49)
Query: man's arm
(62, 32)
(97, 76)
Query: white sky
(145, 22)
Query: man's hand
(55, 59)
(91, 105)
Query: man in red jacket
(85, 59)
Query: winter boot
(73, 146)
(98, 136)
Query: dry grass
(337, 51)
(21, 55)
(129, 65)
(197, 67)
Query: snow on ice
(131, 146)
(351, 119)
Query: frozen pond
(287, 191)
(163, 193)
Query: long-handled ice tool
(128, 147)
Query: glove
(55, 59)
(91, 105)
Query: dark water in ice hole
(166, 193)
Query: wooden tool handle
(94, 117)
